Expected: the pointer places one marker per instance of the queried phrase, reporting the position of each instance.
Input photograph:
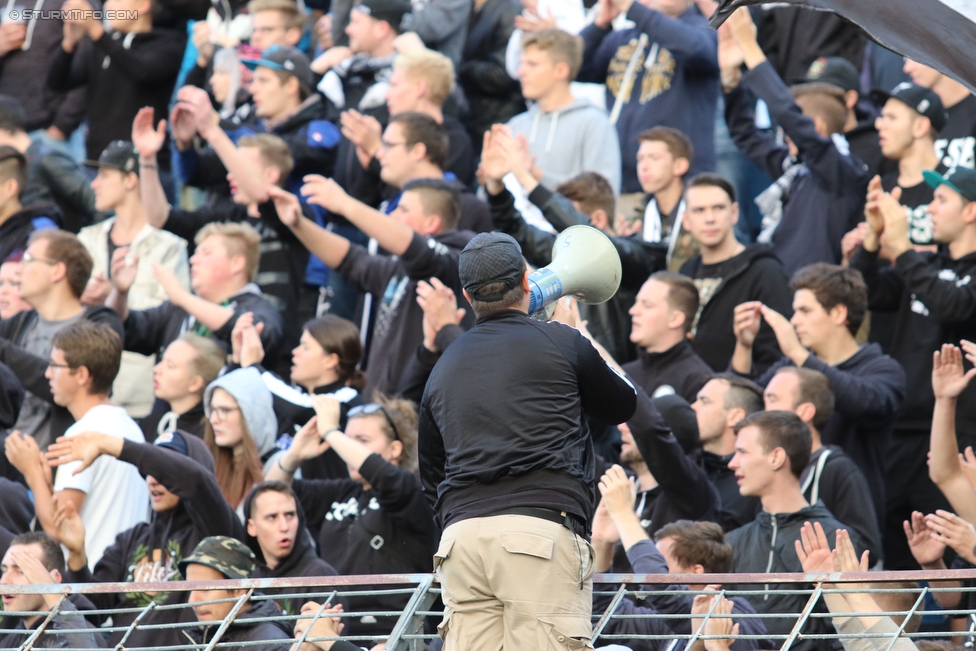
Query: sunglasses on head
(372, 408)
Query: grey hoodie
(577, 138)
(256, 405)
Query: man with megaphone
(507, 462)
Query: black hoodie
(17, 229)
(152, 551)
(935, 300)
(16, 512)
(302, 561)
(275, 632)
(677, 368)
(384, 530)
(767, 544)
(756, 274)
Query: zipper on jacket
(772, 548)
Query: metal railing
(415, 623)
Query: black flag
(939, 33)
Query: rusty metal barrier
(414, 628)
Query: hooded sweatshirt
(935, 301)
(254, 400)
(678, 88)
(276, 632)
(152, 551)
(756, 274)
(676, 370)
(767, 544)
(386, 529)
(574, 139)
(302, 561)
(16, 512)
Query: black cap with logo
(120, 155)
(919, 98)
(834, 71)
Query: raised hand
(720, 624)
(12, 37)
(196, 102)
(364, 131)
(24, 454)
(953, 531)
(97, 290)
(202, 40)
(604, 530)
(324, 626)
(84, 447)
(872, 209)
(252, 350)
(925, 547)
(845, 556)
(789, 343)
(182, 126)
(325, 192)
(147, 140)
(746, 319)
(328, 411)
(439, 304)
(618, 490)
(852, 241)
(123, 273)
(307, 444)
(813, 549)
(730, 57)
(494, 162)
(606, 13)
(170, 283)
(742, 28)
(69, 529)
(948, 378)
(286, 205)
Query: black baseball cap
(120, 155)
(921, 99)
(392, 11)
(490, 258)
(834, 71)
(960, 179)
(287, 59)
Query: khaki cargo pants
(516, 583)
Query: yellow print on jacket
(658, 72)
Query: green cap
(229, 556)
(960, 179)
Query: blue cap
(172, 441)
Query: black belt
(569, 520)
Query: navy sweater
(679, 90)
(826, 199)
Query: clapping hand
(813, 549)
(325, 192)
(286, 205)
(328, 411)
(619, 491)
(123, 273)
(926, 547)
(948, 377)
(147, 140)
(439, 304)
(953, 531)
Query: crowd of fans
(229, 263)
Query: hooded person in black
(149, 551)
(17, 222)
(728, 274)
(377, 521)
(279, 524)
(16, 512)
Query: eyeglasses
(221, 413)
(369, 410)
(28, 258)
(56, 365)
(386, 144)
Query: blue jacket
(826, 199)
(679, 90)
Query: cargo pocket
(444, 628)
(564, 633)
(443, 552)
(528, 544)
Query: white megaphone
(584, 264)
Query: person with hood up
(771, 450)
(324, 362)
(241, 432)
(217, 558)
(19, 222)
(377, 521)
(149, 551)
(728, 273)
(277, 533)
(421, 234)
(36, 559)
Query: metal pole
(811, 602)
(406, 617)
(229, 619)
(29, 642)
(911, 613)
(608, 613)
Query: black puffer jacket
(609, 322)
(276, 632)
(493, 96)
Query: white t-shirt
(116, 497)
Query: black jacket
(11, 397)
(826, 199)
(67, 619)
(17, 229)
(276, 631)
(794, 37)
(387, 529)
(192, 421)
(833, 478)
(53, 177)
(414, 378)
(735, 508)
(302, 561)
(756, 274)
(149, 332)
(935, 302)
(123, 73)
(16, 511)
(152, 551)
(398, 328)
(500, 420)
(493, 96)
(678, 368)
(609, 322)
(869, 388)
(767, 544)
(30, 369)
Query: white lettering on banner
(956, 152)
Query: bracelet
(326, 433)
(148, 166)
(285, 470)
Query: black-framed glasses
(372, 408)
(221, 413)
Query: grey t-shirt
(35, 413)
